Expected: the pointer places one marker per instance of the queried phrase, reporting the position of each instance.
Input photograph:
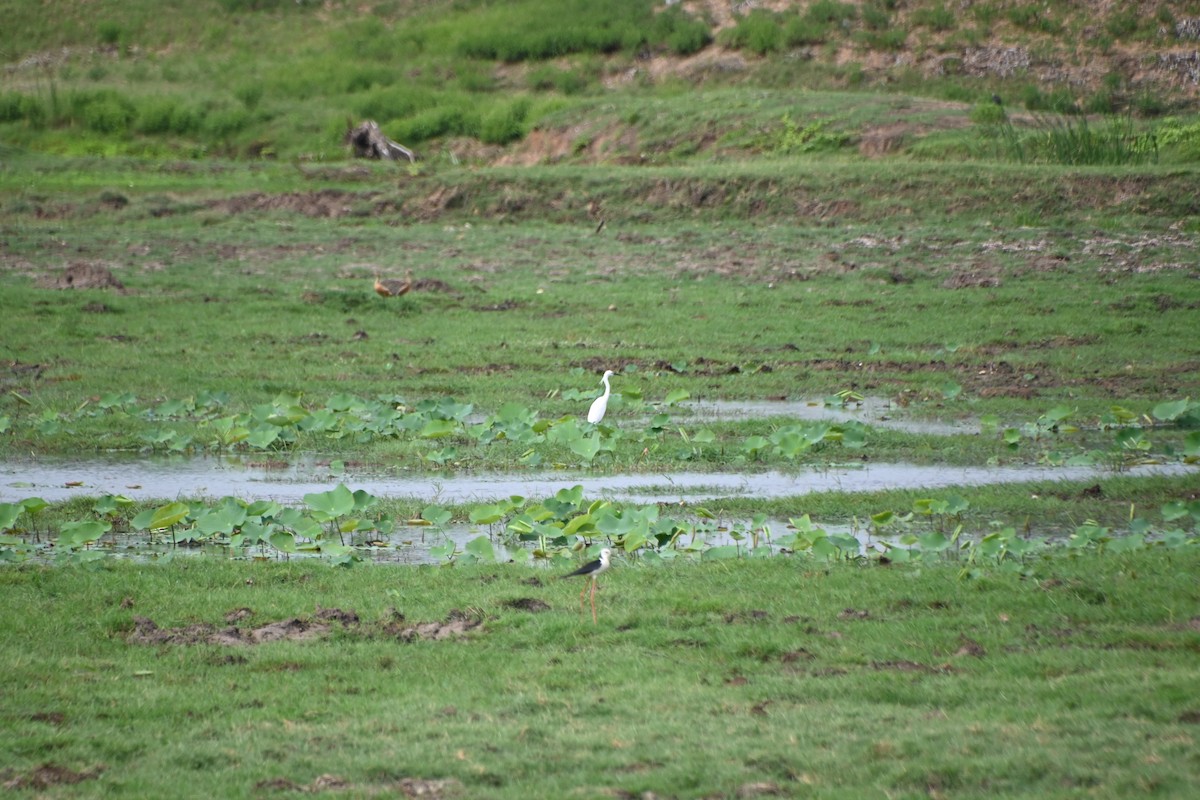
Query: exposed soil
(429, 789)
(912, 666)
(325, 203)
(146, 631)
(297, 629)
(83, 275)
(47, 776)
(457, 625)
(530, 604)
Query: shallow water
(155, 478)
(878, 412)
(413, 545)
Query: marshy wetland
(901, 460)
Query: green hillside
(627, 81)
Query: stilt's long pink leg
(594, 620)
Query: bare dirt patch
(83, 275)
(147, 632)
(530, 604)
(456, 625)
(902, 665)
(323, 204)
(49, 775)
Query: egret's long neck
(607, 388)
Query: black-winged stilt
(592, 570)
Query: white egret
(592, 570)
(600, 404)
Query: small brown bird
(390, 287)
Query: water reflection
(166, 478)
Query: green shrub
(445, 120)
(1122, 24)
(802, 30)
(250, 94)
(831, 12)
(1032, 18)
(1059, 101)
(471, 77)
(759, 32)
(689, 38)
(1072, 141)
(393, 102)
(504, 123)
(550, 78)
(223, 121)
(988, 114)
(234, 6)
(939, 18)
(109, 32)
(17, 107)
(810, 138)
(876, 18)
(553, 28)
(1149, 104)
(890, 39)
(1182, 138)
(1100, 102)
(102, 111)
(682, 33)
(168, 115)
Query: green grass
(896, 282)
(868, 234)
(699, 681)
(278, 79)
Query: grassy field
(764, 678)
(898, 281)
(815, 202)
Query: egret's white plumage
(600, 404)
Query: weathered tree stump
(368, 141)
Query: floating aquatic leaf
(439, 428)
(221, 521)
(951, 390)
(581, 522)
(443, 455)
(1174, 510)
(77, 534)
(8, 515)
(586, 448)
(263, 436)
(1168, 412)
(721, 552)
(677, 396)
(486, 515)
(754, 445)
(283, 541)
(435, 515)
(633, 541)
(444, 550)
(165, 516)
(481, 548)
(337, 502)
